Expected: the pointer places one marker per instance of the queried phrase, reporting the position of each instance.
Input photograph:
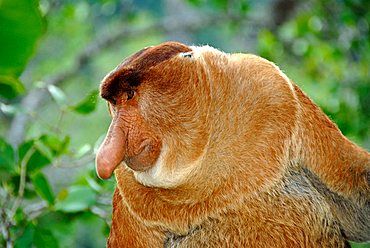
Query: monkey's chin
(137, 165)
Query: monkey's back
(305, 220)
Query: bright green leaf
(10, 86)
(55, 143)
(267, 44)
(42, 187)
(21, 26)
(79, 198)
(7, 159)
(88, 104)
(359, 245)
(44, 149)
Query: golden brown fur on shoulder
(222, 150)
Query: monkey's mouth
(136, 166)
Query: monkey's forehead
(149, 57)
(130, 72)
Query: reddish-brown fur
(223, 150)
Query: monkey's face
(158, 99)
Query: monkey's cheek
(143, 161)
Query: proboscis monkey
(211, 149)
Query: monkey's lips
(136, 165)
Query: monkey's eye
(130, 94)
(186, 55)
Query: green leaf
(10, 86)
(21, 26)
(359, 245)
(42, 187)
(44, 238)
(47, 147)
(195, 2)
(34, 236)
(75, 199)
(220, 4)
(57, 145)
(57, 94)
(7, 159)
(62, 225)
(88, 104)
(25, 240)
(244, 7)
(93, 184)
(44, 149)
(37, 161)
(10, 109)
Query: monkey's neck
(339, 163)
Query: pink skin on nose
(111, 152)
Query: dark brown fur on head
(132, 71)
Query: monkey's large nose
(104, 167)
(111, 152)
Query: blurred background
(54, 53)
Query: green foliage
(34, 236)
(34, 213)
(10, 86)
(26, 240)
(7, 159)
(29, 228)
(87, 105)
(359, 245)
(75, 199)
(42, 187)
(328, 56)
(21, 26)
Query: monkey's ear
(186, 55)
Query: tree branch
(22, 182)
